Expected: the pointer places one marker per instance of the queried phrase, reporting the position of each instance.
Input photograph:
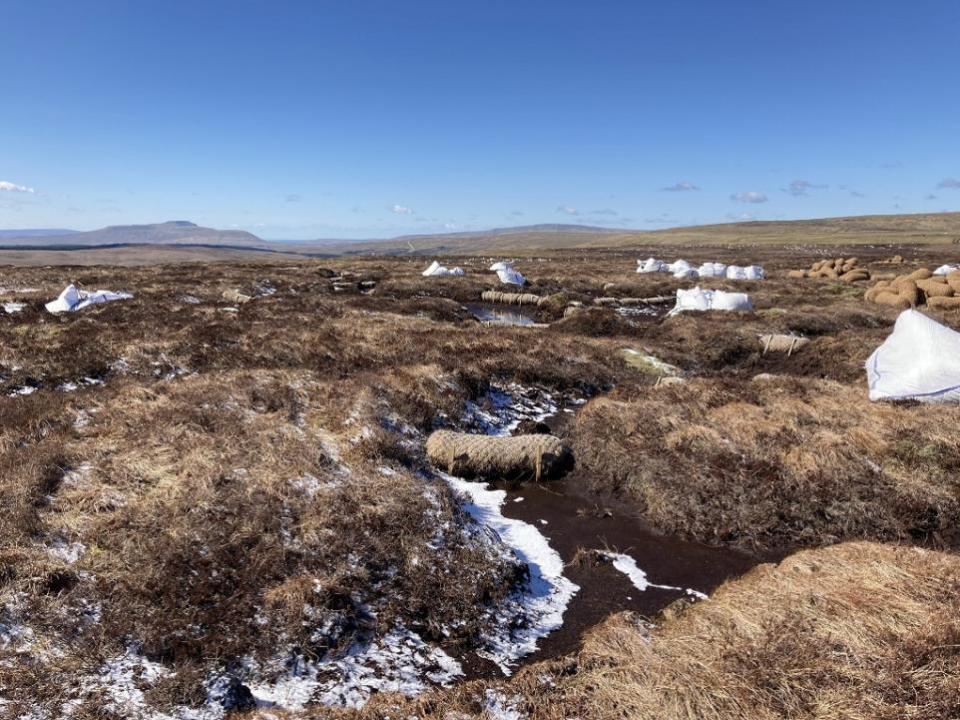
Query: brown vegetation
(211, 481)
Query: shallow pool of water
(573, 519)
(502, 314)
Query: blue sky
(357, 119)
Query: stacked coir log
(918, 288)
(837, 269)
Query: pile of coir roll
(838, 269)
(918, 288)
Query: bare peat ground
(212, 508)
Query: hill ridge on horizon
(924, 228)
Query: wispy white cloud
(797, 188)
(567, 210)
(949, 182)
(605, 211)
(857, 193)
(750, 196)
(741, 216)
(682, 186)
(12, 187)
(451, 226)
(292, 198)
(401, 210)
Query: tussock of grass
(776, 463)
(853, 631)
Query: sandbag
(515, 457)
(920, 360)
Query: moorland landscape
(219, 496)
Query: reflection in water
(509, 315)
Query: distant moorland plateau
(182, 240)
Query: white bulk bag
(712, 270)
(434, 269)
(700, 300)
(736, 302)
(651, 265)
(438, 270)
(695, 299)
(752, 272)
(509, 276)
(72, 299)
(920, 360)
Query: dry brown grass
(776, 463)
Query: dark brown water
(577, 520)
(574, 519)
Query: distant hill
(926, 228)
(545, 229)
(919, 228)
(529, 237)
(176, 232)
(35, 232)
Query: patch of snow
(535, 609)
(628, 566)
(503, 408)
(497, 706)
(67, 552)
(398, 662)
(23, 390)
(14, 635)
(637, 310)
(13, 307)
(82, 419)
(121, 679)
(120, 685)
